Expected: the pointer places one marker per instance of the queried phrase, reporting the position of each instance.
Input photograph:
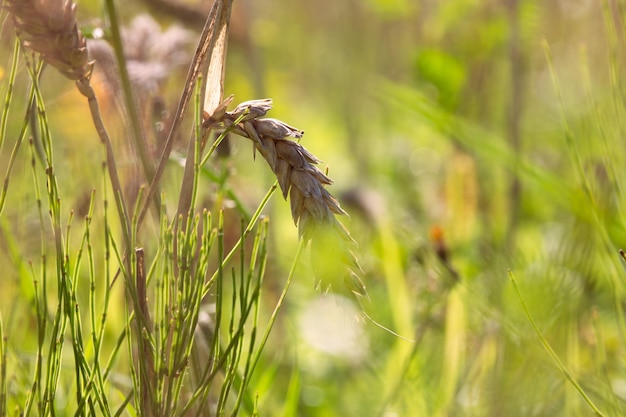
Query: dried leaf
(214, 89)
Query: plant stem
(85, 88)
(139, 135)
(551, 351)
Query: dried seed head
(218, 114)
(313, 208)
(254, 108)
(49, 27)
(276, 129)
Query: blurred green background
(466, 139)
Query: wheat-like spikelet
(313, 208)
(49, 27)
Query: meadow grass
(150, 276)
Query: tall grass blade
(551, 351)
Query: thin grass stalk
(395, 391)
(111, 164)
(221, 137)
(616, 286)
(124, 404)
(115, 351)
(145, 348)
(220, 269)
(95, 380)
(215, 361)
(608, 148)
(514, 114)
(130, 346)
(211, 370)
(162, 307)
(12, 158)
(69, 289)
(260, 246)
(610, 19)
(600, 358)
(551, 351)
(66, 289)
(181, 268)
(277, 308)
(107, 286)
(219, 285)
(179, 296)
(244, 279)
(233, 381)
(53, 362)
(139, 135)
(18, 142)
(568, 133)
(72, 310)
(8, 95)
(41, 304)
(3, 370)
(111, 167)
(222, 360)
(61, 315)
(155, 341)
(412, 103)
(126, 335)
(189, 186)
(98, 329)
(168, 321)
(230, 371)
(24, 274)
(175, 343)
(193, 299)
(253, 220)
(94, 377)
(183, 310)
(233, 358)
(204, 45)
(144, 328)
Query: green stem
(251, 223)
(85, 88)
(139, 136)
(551, 351)
(9, 94)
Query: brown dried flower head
(313, 208)
(49, 27)
(152, 53)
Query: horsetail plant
(192, 334)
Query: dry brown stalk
(49, 27)
(313, 208)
